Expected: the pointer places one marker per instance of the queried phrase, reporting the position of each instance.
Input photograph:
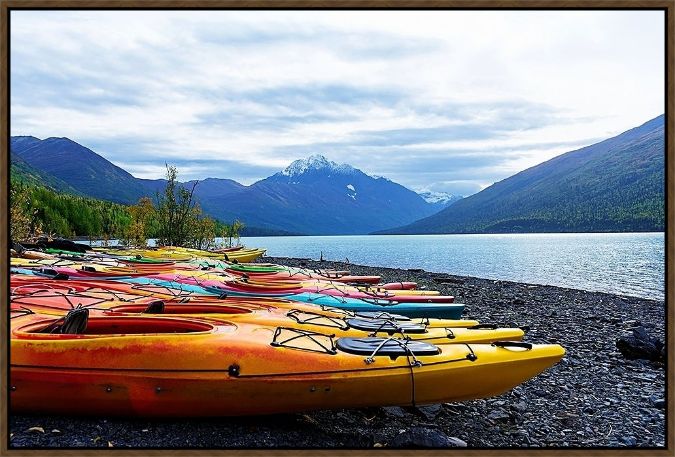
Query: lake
(618, 263)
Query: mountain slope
(614, 185)
(21, 171)
(80, 167)
(316, 196)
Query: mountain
(206, 188)
(311, 196)
(80, 167)
(615, 185)
(215, 187)
(21, 171)
(317, 196)
(83, 171)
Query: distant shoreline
(85, 238)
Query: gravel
(595, 397)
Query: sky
(448, 101)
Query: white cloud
(265, 87)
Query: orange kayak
(167, 366)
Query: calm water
(621, 263)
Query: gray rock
(640, 346)
(519, 407)
(499, 415)
(430, 411)
(456, 442)
(629, 441)
(659, 403)
(421, 437)
(395, 411)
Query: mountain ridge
(614, 185)
(339, 199)
(310, 196)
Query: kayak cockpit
(78, 324)
(179, 308)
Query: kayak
(405, 308)
(399, 286)
(51, 295)
(85, 271)
(315, 320)
(224, 284)
(243, 255)
(63, 295)
(237, 288)
(109, 366)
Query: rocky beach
(608, 391)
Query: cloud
(197, 169)
(433, 99)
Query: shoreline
(593, 398)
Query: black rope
(300, 333)
(396, 328)
(339, 323)
(332, 309)
(67, 296)
(47, 287)
(412, 379)
(334, 297)
(22, 311)
(320, 291)
(380, 301)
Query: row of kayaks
(182, 332)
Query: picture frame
(302, 422)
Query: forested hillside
(615, 185)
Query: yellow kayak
(109, 366)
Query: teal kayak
(409, 309)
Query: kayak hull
(232, 370)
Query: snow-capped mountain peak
(442, 198)
(315, 162)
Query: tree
(237, 226)
(204, 233)
(175, 211)
(20, 221)
(232, 231)
(142, 215)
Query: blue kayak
(437, 310)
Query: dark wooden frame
(667, 5)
